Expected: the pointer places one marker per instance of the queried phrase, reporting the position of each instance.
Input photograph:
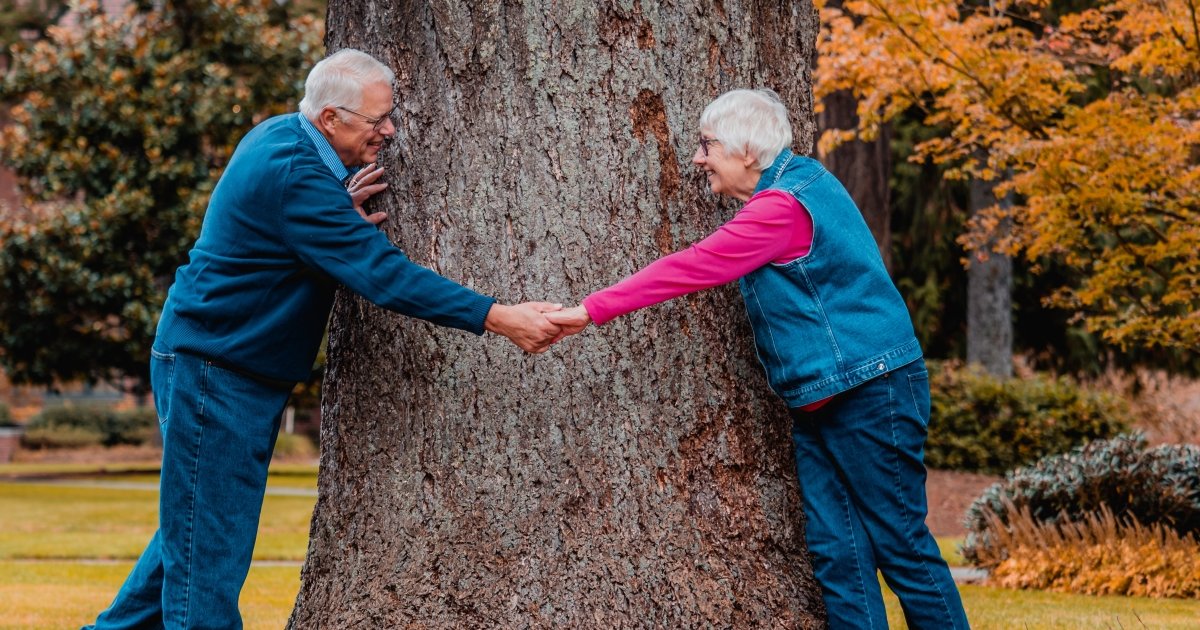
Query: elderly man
(244, 320)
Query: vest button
(880, 367)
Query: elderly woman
(838, 347)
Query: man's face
(355, 136)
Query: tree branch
(1191, 4)
(962, 69)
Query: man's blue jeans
(219, 430)
(860, 462)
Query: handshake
(535, 326)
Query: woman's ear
(748, 160)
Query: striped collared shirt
(328, 155)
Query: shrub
(1158, 486)
(979, 423)
(1098, 555)
(1162, 403)
(136, 426)
(60, 437)
(5, 416)
(66, 426)
(294, 446)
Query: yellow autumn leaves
(1089, 118)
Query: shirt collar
(774, 171)
(328, 155)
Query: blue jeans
(219, 430)
(860, 463)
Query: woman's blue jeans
(860, 462)
(219, 430)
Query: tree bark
(637, 475)
(989, 297)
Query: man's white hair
(749, 122)
(339, 79)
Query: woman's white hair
(749, 122)
(339, 79)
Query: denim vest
(832, 319)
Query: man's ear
(327, 119)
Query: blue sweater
(279, 235)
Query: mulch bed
(123, 454)
(950, 493)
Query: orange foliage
(1093, 117)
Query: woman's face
(727, 174)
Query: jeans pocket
(162, 382)
(918, 387)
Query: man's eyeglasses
(376, 123)
(704, 142)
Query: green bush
(294, 445)
(60, 437)
(136, 426)
(68, 426)
(979, 423)
(5, 416)
(1157, 486)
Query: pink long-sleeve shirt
(771, 228)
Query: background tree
(864, 166)
(989, 291)
(636, 475)
(1054, 97)
(22, 20)
(121, 126)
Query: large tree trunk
(989, 297)
(637, 475)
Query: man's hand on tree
(362, 186)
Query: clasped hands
(535, 326)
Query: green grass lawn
(64, 551)
(999, 608)
(52, 536)
(949, 549)
(66, 594)
(57, 522)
